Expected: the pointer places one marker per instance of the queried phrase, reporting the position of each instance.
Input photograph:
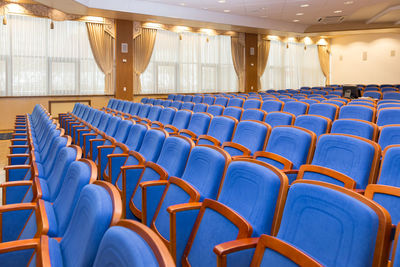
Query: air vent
(331, 19)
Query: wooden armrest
(16, 183)
(173, 128)
(131, 167)
(215, 141)
(159, 124)
(18, 156)
(19, 245)
(346, 180)
(15, 167)
(15, 207)
(287, 164)
(153, 183)
(184, 207)
(235, 245)
(245, 150)
(188, 132)
(290, 171)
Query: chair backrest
(246, 182)
(221, 128)
(122, 131)
(112, 126)
(104, 121)
(355, 127)
(223, 101)
(366, 103)
(144, 110)
(166, 103)
(187, 105)
(154, 113)
(336, 102)
(200, 107)
(310, 101)
(178, 98)
(277, 118)
(135, 107)
(388, 105)
(235, 102)
(373, 94)
(317, 124)
(181, 119)
(253, 135)
(296, 108)
(327, 110)
(158, 102)
(290, 142)
(234, 112)
(252, 103)
(135, 137)
(131, 243)
(328, 222)
(187, 98)
(198, 99)
(209, 100)
(176, 104)
(391, 95)
(167, 115)
(388, 116)
(357, 112)
(389, 135)
(199, 123)
(171, 96)
(356, 157)
(215, 110)
(253, 114)
(98, 208)
(152, 144)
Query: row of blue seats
(194, 171)
(54, 213)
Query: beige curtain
(102, 45)
(238, 49)
(323, 55)
(263, 53)
(143, 46)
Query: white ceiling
(278, 15)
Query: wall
(12, 106)
(349, 67)
(251, 63)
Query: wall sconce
(4, 20)
(51, 25)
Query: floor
(4, 151)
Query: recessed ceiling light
(337, 11)
(205, 8)
(296, 20)
(263, 8)
(349, 2)
(305, 5)
(182, 4)
(227, 10)
(263, 16)
(221, 1)
(299, 14)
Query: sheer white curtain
(292, 67)
(41, 61)
(189, 63)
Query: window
(189, 63)
(35, 60)
(292, 67)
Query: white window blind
(189, 63)
(292, 67)
(35, 60)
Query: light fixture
(349, 2)
(4, 20)
(221, 1)
(337, 11)
(305, 5)
(263, 16)
(299, 14)
(307, 40)
(227, 10)
(153, 25)
(291, 39)
(296, 20)
(182, 4)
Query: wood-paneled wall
(251, 62)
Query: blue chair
(249, 137)
(317, 124)
(179, 97)
(130, 243)
(221, 130)
(187, 98)
(166, 117)
(166, 103)
(143, 112)
(153, 115)
(306, 226)
(332, 101)
(357, 112)
(187, 105)
(198, 99)
(344, 160)
(389, 135)
(326, 110)
(391, 95)
(176, 104)
(215, 110)
(277, 118)
(388, 116)
(209, 100)
(21, 221)
(97, 209)
(253, 114)
(235, 102)
(134, 110)
(234, 112)
(373, 94)
(272, 105)
(310, 101)
(200, 107)
(223, 101)
(252, 103)
(288, 148)
(356, 127)
(198, 125)
(296, 108)
(158, 102)
(181, 121)
(388, 105)
(362, 103)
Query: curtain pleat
(237, 47)
(323, 56)
(143, 46)
(102, 45)
(263, 53)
